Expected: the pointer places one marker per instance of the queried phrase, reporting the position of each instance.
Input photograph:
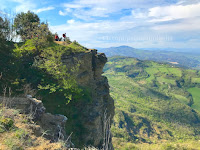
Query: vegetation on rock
(37, 61)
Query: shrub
(6, 124)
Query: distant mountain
(182, 50)
(184, 59)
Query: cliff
(96, 115)
(54, 71)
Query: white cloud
(66, 12)
(186, 2)
(62, 13)
(167, 18)
(191, 24)
(24, 5)
(67, 5)
(139, 15)
(141, 22)
(70, 21)
(123, 18)
(180, 18)
(44, 9)
(86, 9)
(173, 12)
(90, 31)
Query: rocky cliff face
(89, 116)
(96, 114)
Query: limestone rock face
(97, 113)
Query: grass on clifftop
(38, 62)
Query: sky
(110, 23)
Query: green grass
(196, 97)
(163, 70)
(166, 81)
(76, 47)
(195, 80)
(176, 71)
(181, 98)
(118, 66)
(187, 145)
(151, 72)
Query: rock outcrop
(89, 117)
(96, 114)
(54, 124)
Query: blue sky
(106, 23)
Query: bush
(6, 124)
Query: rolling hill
(157, 104)
(183, 59)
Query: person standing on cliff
(64, 36)
(56, 37)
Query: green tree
(24, 24)
(4, 28)
(40, 34)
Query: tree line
(25, 26)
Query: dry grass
(21, 136)
(59, 42)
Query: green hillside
(189, 59)
(156, 103)
(195, 91)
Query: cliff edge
(95, 114)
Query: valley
(155, 103)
